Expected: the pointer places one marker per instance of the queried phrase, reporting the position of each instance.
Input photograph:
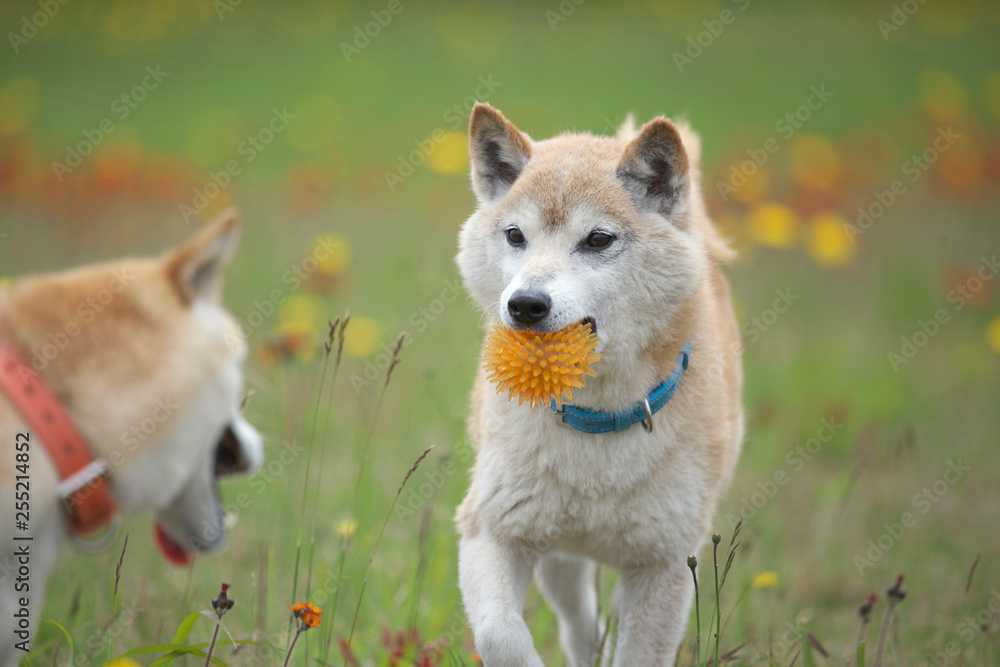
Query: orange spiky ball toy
(539, 367)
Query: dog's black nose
(529, 306)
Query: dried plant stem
(336, 336)
(211, 647)
(895, 594)
(305, 488)
(422, 562)
(378, 540)
(361, 470)
(291, 647)
(118, 571)
(884, 634)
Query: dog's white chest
(608, 496)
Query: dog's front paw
(505, 646)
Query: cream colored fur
(160, 351)
(547, 502)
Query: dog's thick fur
(162, 350)
(549, 501)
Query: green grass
(825, 357)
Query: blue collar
(592, 421)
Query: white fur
(550, 501)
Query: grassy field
(872, 340)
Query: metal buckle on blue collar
(593, 421)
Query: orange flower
(312, 619)
(308, 613)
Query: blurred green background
(323, 134)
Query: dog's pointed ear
(654, 168)
(195, 269)
(499, 152)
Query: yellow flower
(994, 334)
(829, 243)
(362, 337)
(773, 225)
(347, 528)
(450, 154)
(300, 314)
(123, 662)
(298, 326)
(336, 254)
(765, 579)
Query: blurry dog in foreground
(120, 391)
(611, 231)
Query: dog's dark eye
(514, 236)
(599, 240)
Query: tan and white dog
(611, 230)
(141, 356)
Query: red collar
(83, 486)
